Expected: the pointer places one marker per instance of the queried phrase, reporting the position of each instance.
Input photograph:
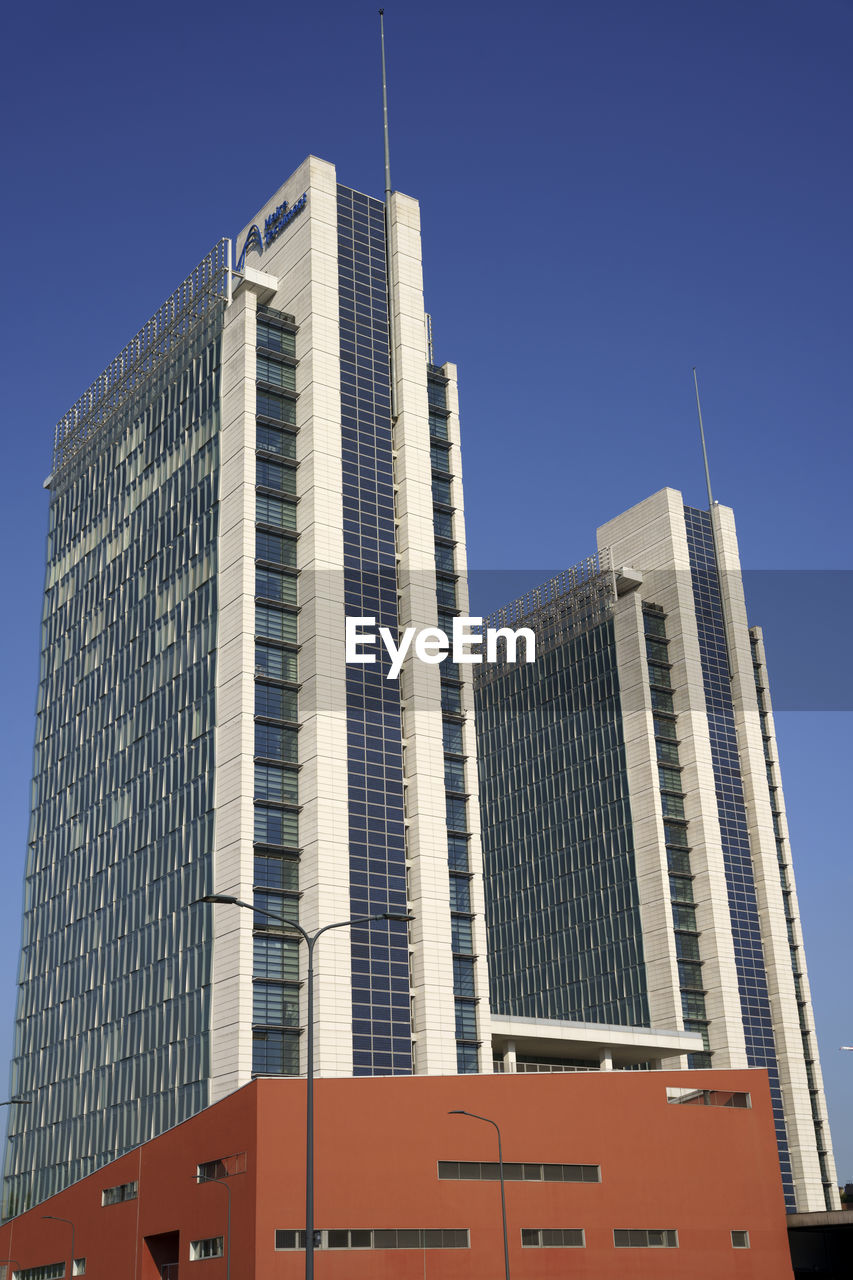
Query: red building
(603, 1170)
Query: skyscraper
(230, 488)
(636, 856)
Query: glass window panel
(457, 853)
(272, 371)
(463, 976)
(271, 440)
(272, 700)
(278, 664)
(275, 1052)
(275, 624)
(274, 476)
(270, 405)
(275, 742)
(460, 893)
(280, 587)
(275, 548)
(275, 958)
(275, 826)
(466, 1020)
(275, 511)
(274, 339)
(272, 783)
(274, 871)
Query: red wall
(700, 1170)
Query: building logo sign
(253, 241)
(281, 217)
(433, 645)
(273, 227)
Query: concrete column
(605, 1060)
(509, 1056)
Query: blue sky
(611, 193)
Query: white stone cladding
(231, 1001)
(651, 538)
(303, 262)
(768, 888)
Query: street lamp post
(53, 1218)
(473, 1116)
(311, 941)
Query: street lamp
(53, 1218)
(501, 1171)
(311, 940)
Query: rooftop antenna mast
(702, 435)
(389, 261)
(714, 535)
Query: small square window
(740, 1239)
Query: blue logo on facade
(253, 241)
(280, 218)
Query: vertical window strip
(681, 882)
(275, 1022)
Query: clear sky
(611, 193)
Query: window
(270, 585)
(645, 1238)
(442, 523)
(451, 699)
(274, 476)
(275, 1053)
(275, 958)
(439, 458)
(115, 1195)
(454, 774)
(466, 1020)
(273, 701)
(444, 558)
(740, 1239)
(223, 1167)
(442, 491)
(375, 1238)
(670, 779)
(275, 339)
(708, 1098)
(661, 700)
(487, 1171)
(463, 976)
(276, 549)
(290, 1239)
(274, 624)
(271, 440)
(273, 909)
(445, 592)
(460, 893)
(274, 1005)
(275, 511)
(278, 664)
(452, 737)
(276, 826)
(275, 742)
(456, 813)
(437, 425)
(437, 393)
(275, 871)
(552, 1238)
(270, 405)
(467, 1058)
(653, 625)
(272, 783)
(672, 806)
(48, 1271)
(278, 375)
(213, 1247)
(656, 652)
(78, 1267)
(457, 853)
(462, 938)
